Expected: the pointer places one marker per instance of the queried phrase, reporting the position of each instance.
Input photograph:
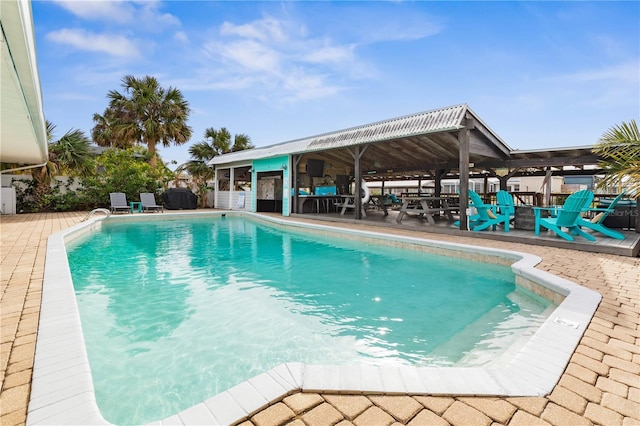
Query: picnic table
(425, 206)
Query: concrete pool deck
(601, 385)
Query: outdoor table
(317, 201)
(425, 205)
(378, 201)
(349, 202)
(135, 206)
(524, 217)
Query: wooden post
(232, 173)
(357, 201)
(438, 180)
(463, 168)
(357, 154)
(505, 179)
(295, 160)
(485, 189)
(638, 214)
(503, 182)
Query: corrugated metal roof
(438, 120)
(258, 153)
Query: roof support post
(504, 179)
(485, 187)
(438, 181)
(463, 158)
(357, 154)
(638, 215)
(216, 189)
(295, 161)
(232, 186)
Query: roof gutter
(15, 169)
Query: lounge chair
(148, 201)
(118, 202)
(596, 223)
(568, 216)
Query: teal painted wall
(270, 165)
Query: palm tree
(146, 114)
(216, 142)
(619, 148)
(71, 154)
(220, 142)
(241, 142)
(103, 132)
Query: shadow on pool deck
(599, 386)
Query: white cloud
(621, 73)
(115, 45)
(399, 24)
(181, 37)
(152, 19)
(248, 55)
(144, 13)
(285, 59)
(265, 30)
(104, 10)
(278, 60)
(331, 54)
(301, 86)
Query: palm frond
(619, 148)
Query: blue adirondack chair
(568, 216)
(505, 207)
(596, 224)
(392, 199)
(486, 216)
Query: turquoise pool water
(176, 311)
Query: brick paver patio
(600, 386)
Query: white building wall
(534, 183)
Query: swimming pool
(564, 327)
(194, 307)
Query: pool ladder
(94, 211)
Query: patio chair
(392, 200)
(505, 207)
(118, 202)
(486, 214)
(148, 201)
(568, 216)
(596, 223)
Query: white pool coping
(62, 390)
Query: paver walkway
(601, 384)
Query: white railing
(94, 211)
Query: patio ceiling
(22, 131)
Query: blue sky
(540, 74)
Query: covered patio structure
(445, 143)
(437, 145)
(433, 143)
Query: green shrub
(122, 171)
